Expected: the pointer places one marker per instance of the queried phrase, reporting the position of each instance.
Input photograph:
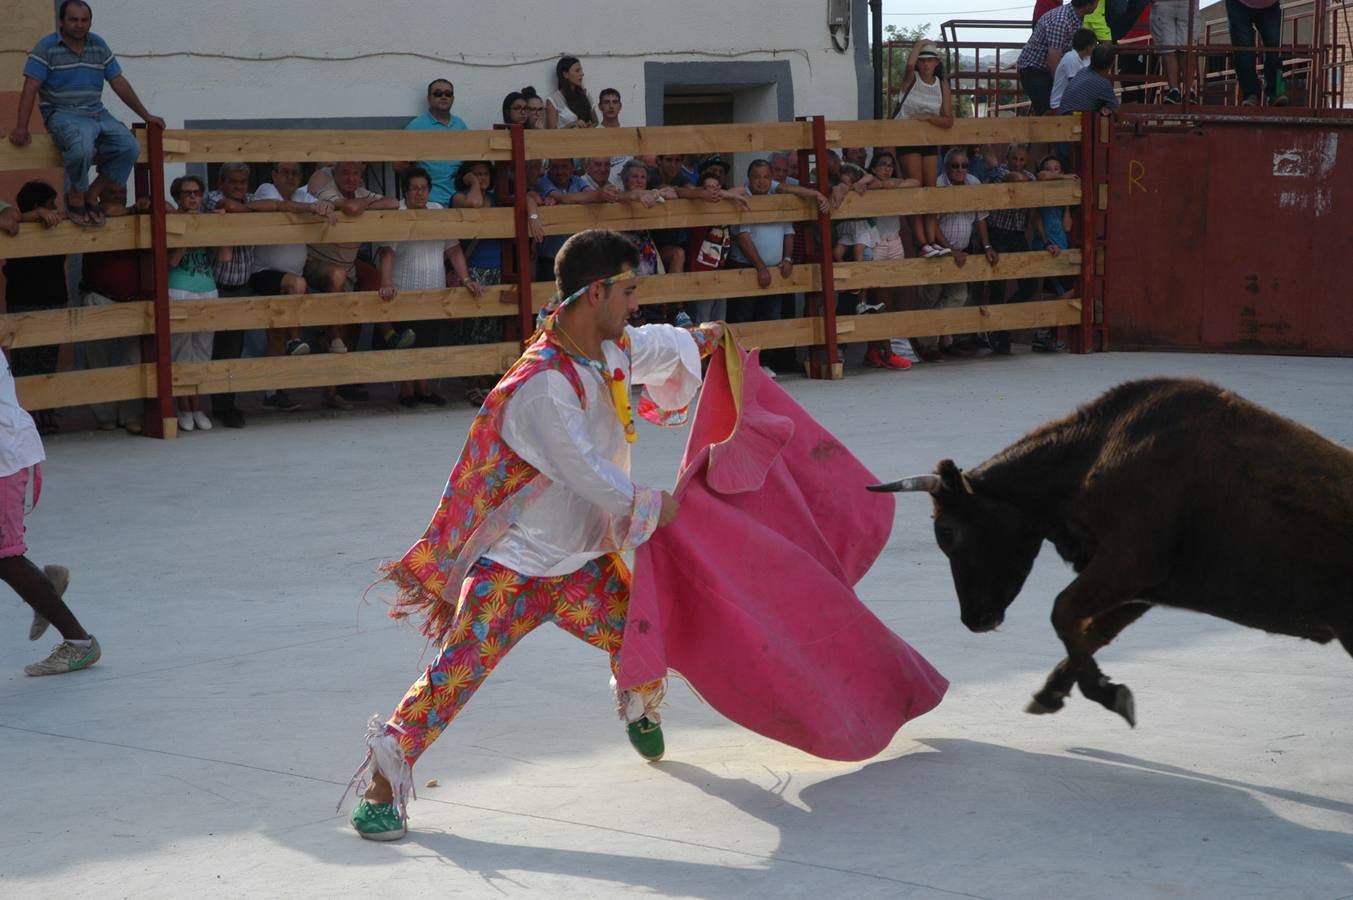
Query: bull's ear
(951, 477)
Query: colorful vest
(488, 487)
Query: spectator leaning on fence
(421, 266)
(66, 71)
(956, 230)
(191, 278)
(116, 276)
(441, 96)
(560, 186)
(1008, 232)
(280, 268)
(1091, 90)
(1245, 18)
(35, 283)
(762, 246)
(1041, 55)
(1082, 43)
(569, 106)
(332, 268)
(232, 277)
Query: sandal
(78, 215)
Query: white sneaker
(768, 372)
(186, 421)
(337, 346)
(201, 421)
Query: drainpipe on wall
(876, 52)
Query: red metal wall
(1231, 236)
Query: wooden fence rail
(156, 379)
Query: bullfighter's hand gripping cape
(748, 594)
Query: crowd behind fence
(817, 276)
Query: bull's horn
(928, 483)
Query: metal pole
(1315, 82)
(521, 229)
(1089, 228)
(160, 421)
(876, 51)
(832, 370)
(1190, 65)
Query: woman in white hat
(925, 98)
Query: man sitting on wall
(66, 70)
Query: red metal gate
(1229, 233)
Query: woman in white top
(570, 106)
(420, 266)
(925, 98)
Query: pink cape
(749, 595)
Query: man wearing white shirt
(1082, 43)
(279, 268)
(21, 453)
(537, 511)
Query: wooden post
(829, 367)
(160, 421)
(522, 245)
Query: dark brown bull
(1162, 491)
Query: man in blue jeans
(66, 71)
(1244, 18)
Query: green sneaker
(377, 821)
(67, 658)
(60, 578)
(646, 738)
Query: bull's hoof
(1124, 705)
(1045, 703)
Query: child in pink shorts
(21, 452)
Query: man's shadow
(977, 819)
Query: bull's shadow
(973, 819)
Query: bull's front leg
(1102, 630)
(1105, 584)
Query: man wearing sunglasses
(537, 511)
(956, 230)
(441, 97)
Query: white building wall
(273, 59)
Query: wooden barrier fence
(157, 380)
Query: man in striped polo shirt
(66, 71)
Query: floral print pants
(496, 609)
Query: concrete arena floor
(223, 573)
